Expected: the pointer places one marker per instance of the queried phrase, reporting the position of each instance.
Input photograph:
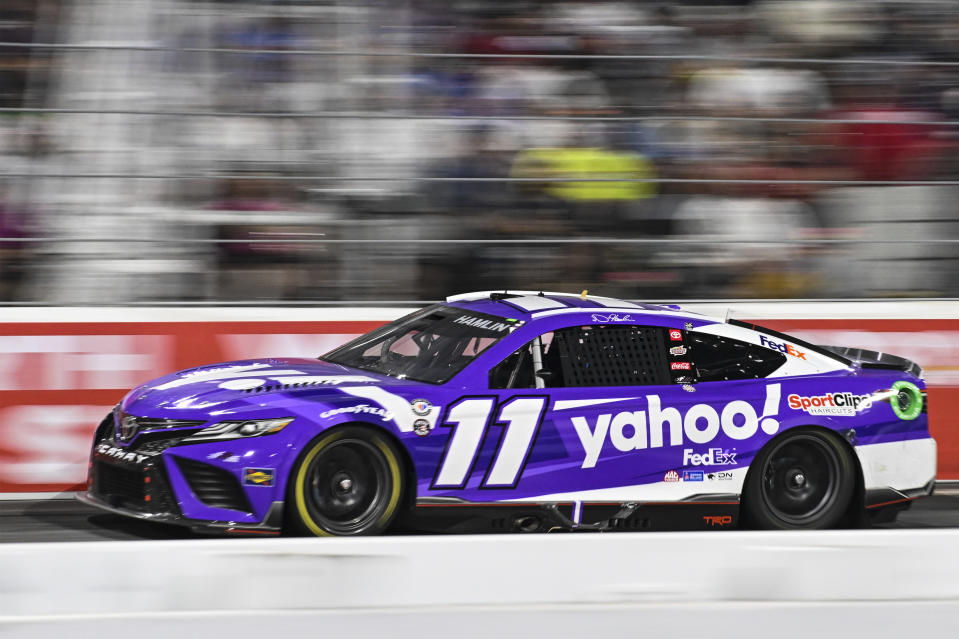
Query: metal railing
(632, 114)
(393, 115)
(607, 241)
(480, 56)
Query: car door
(737, 380)
(610, 411)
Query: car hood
(220, 389)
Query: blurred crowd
(217, 150)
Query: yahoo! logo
(643, 429)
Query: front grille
(214, 486)
(131, 427)
(115, 483)
(163, 500)
(145, 490)
(152, 423)
(157, 441)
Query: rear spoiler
(875, 359)
(825, 351)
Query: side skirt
(442, 515)
(883, 504)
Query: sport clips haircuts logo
(841, 404)
(701, 424)
(788, 349)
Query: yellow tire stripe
(300, 481)
(397, 479)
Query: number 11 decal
(471, 419)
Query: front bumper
(272, 524)
(145, 484)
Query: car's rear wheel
(802, 479)
(349, 481)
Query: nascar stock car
(524, 411)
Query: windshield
(430, 345)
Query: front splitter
(272, 524)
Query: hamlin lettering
(485, 324)
(650, 428)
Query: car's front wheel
(349, 481)
(802, 479)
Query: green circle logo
(907, 400)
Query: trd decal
(718, 520)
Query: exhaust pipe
(527, 523)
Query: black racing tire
(803, 479)
(349, 481)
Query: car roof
(526, 305)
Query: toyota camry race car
(524, 411)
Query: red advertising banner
(932, 343)
(59, 379)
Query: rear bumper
(899, 470)
(272, 524)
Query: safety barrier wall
(61, 369)
(757, 584)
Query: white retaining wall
(751, 309)
(716, 584)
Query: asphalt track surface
(69, 520)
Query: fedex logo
(712, 457)
(782, 348)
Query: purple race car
(524, 411)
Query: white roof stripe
(540, 308)
(611, 301)
(681, 314)
(480, 295)
(535, 303)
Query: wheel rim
(801, 479)
(345, 486)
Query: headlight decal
(240, 429)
